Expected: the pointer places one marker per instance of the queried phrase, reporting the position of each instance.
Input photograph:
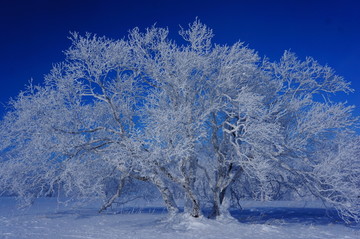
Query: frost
(144, 117)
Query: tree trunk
(216, 203)
(193, 208)
(220, 203)
(166, 195)
(225, 201)
(192, 204)
(116, 195)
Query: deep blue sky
(34, 33)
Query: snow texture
(46, 219)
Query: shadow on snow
(254, 215)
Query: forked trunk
(218, 200)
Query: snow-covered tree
(213, 122)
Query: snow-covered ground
(46, 219)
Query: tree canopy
(212, 123)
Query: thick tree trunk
(218, 203)
(225, 179)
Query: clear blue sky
(34, 33)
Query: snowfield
(47, 219)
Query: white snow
(47, 219)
